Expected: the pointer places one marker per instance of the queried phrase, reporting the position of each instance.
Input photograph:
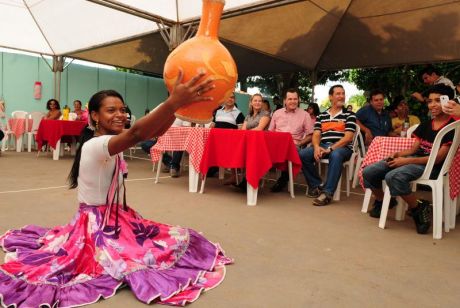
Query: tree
(277, 84)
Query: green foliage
(277, 84)
(357, 101)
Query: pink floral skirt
(83, 261)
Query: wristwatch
(330, 148)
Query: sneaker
(313, 192)
(174, 173)
(322, 200)
(422, 216)
(279, 186)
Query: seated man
(293, 120)
(403, 167)
(373, 119)
(332, 138)
(402, 116)
(229, 116)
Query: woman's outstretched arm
(157, 122)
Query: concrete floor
(287, 252)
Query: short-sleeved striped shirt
(333, 128)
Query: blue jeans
(174, 161)
(334, 170)
(397, 179)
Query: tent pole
(58, 67)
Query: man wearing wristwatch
(332, 137)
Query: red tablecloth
(257, 151)
(382, 147)
(18, 126)
(52, 131)
(190, 139)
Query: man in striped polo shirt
(332, 136)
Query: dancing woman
(107, 244)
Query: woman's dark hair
(87, 133)
(77, 101)
(48, 103)
(315, 108)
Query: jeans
(174, 161)
(334, 170)
(397, 179)
(146, 145)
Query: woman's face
(111, 116)
(310, 110)
(53, 105)
(76, 106)
(256, 103)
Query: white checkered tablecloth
(382, 147)
(189, 139)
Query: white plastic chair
(359, 159)
(436, 185)
(19, 114)
(36, 117)
(348, 165)
(410, 130)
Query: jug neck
(210, 18)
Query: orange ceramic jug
(204, 51)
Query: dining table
(255, 151)
(53, 131)
(184, 138)
(19, 126)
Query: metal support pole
(58, 67)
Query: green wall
(18, 74)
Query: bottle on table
(65, 113)
(404, 129)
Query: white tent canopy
(263, 36)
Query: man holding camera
(405, 166)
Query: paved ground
(287, 252)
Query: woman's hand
(452, 108)
(191, 91)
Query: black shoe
(422, 216)
(313, 192)
(376, 210)
(393, 202)
(279, 186)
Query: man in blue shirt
(373, 119)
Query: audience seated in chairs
(257, 119)
(227, 116)
(401, 168)
(82, 115)
(54, 110)
(401, 110)
(373, 119)
(293, 120)
(332, 138)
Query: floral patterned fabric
(78, 263)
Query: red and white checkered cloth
(18, 126)
(189, 139)
(382, 147)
